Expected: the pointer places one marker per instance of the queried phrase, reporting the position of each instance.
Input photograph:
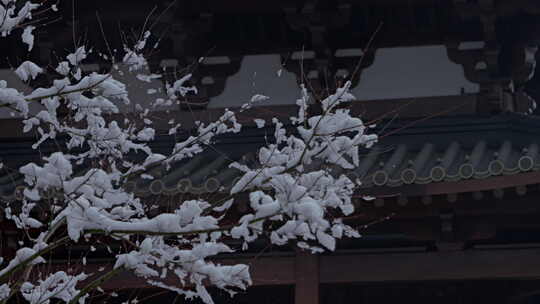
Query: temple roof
(410, 153)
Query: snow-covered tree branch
(294, 193)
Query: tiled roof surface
(449, 150)
(443, 150)
(402, 165)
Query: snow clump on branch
(291, 189)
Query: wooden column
(307, 278)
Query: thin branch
(31, 258)
(181, 233)
(95, 284)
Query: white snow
(63, 68)
(138, 84)
(78, 56)
(289, 189)
(259, 122)
(530, 59)
(12, 84)
(59, 285)
(4, 291)
(12, 17)
(28, 37)
(22, 255)
(28, 70)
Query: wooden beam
(307, 278)
(309, 271)
(265, 271)
(428, 266)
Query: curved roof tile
(398, 161)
